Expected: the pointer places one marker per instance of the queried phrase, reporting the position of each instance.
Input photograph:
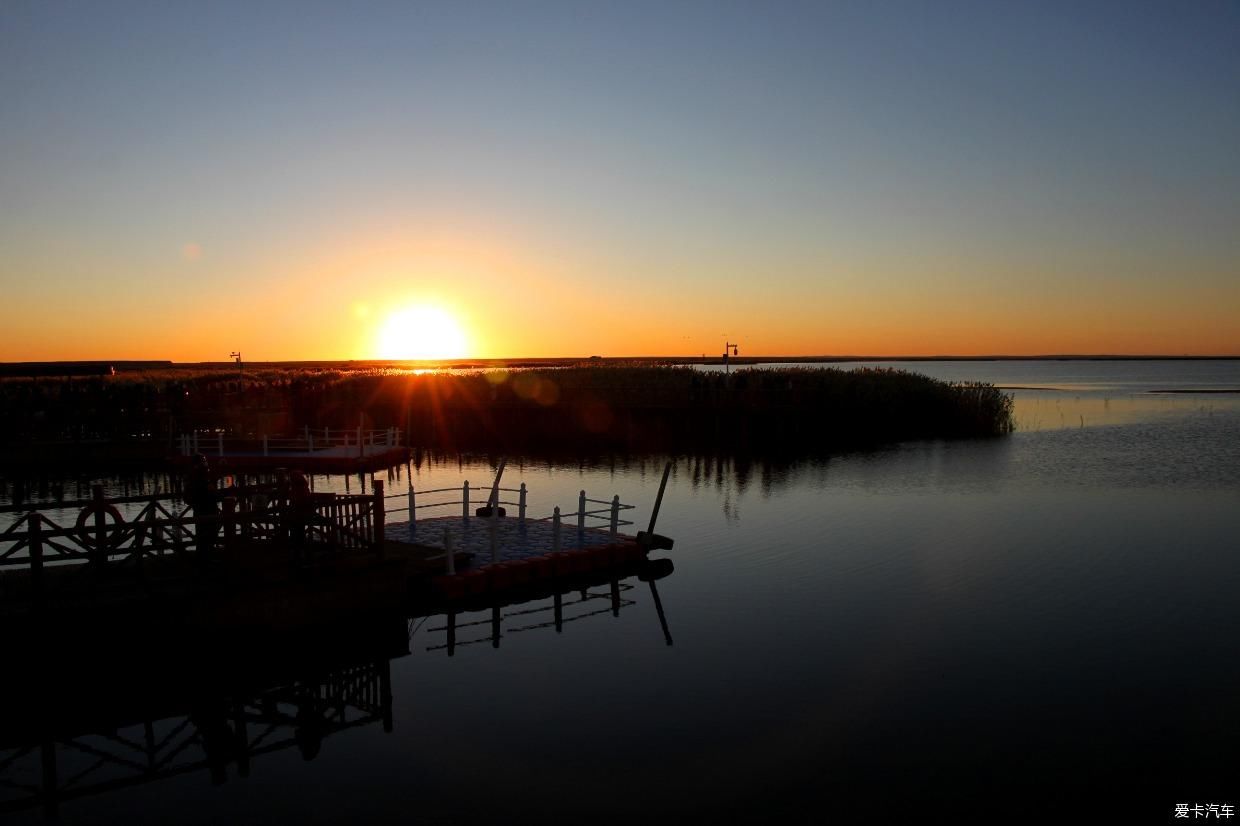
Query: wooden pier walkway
(273, 557)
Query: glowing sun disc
(417, 333)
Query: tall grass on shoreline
(582, 409)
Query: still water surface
(1046, 623)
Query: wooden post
(465, 501)
(35, 528)
(385, 695)
(555, 529)
(220, 443)
(99, 554)
(264, 444)
(413, 509)
(494, 531)
(615, 514)
(377, 487)
(309, 441)
(658, 500)
(494, 500)
(230, 523)
(195, 441)
(521, 505)
(581, 512)
(361, 448)
(448, 552)
(327, 437)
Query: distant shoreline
(104, 366)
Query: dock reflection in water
(165, 710)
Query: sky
(310, 180)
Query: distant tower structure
(237, 357)
(729, 347)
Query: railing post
(521, 505)
(413, 512)
(195, 440)
(465, 501)
(447, 550)
(493, 535)
(264, 444)
(230, 522)
(361, 448)
(220, 442)
(615, 514)
(309, 441)
(99, 554)
(581, 512)
(555, 529)
(377, 486)
(327, 436)
(36, 558)
(306, 433)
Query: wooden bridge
(259, 536)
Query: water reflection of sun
(421, 332)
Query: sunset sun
(422, 332)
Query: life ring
(87, 535)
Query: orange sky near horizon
(512, 301)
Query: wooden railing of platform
(35, 547)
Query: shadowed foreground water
(1045, 624)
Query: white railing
(492, 498)
(326, 440)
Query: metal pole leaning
(658, 500)
(581, 512)
(465, 501)
(413, 512)
(615, 514)
(555, 529)
(521, 505)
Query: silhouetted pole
(385, 695)
(99, 554)
(36, 559)
(658, 500)
(377, 487)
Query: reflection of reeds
(574, 408)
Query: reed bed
(582, 409)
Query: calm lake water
(1046, 624)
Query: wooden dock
(271, 558)
(317, 450)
